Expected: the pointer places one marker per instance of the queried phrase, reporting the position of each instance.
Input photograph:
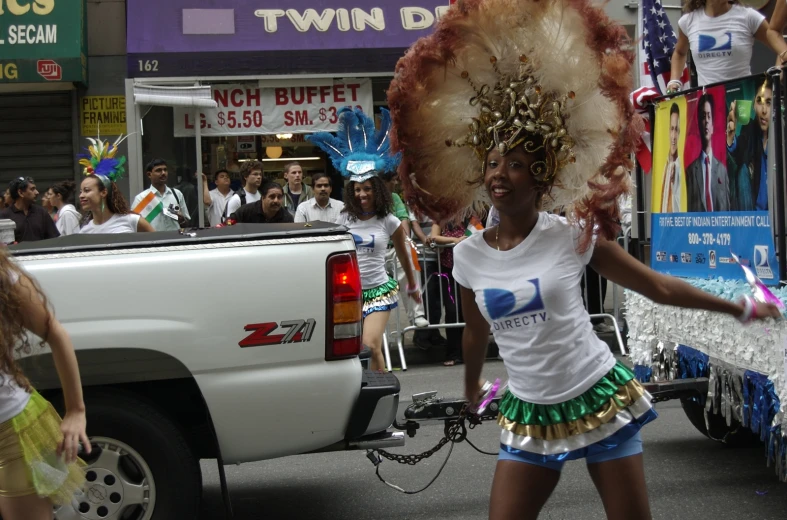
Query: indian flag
(474, 226)
(149, 207)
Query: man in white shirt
(322, 207)
(216, 199)
(707, 185)
(673, 170)
(154, 203)
(251, 171)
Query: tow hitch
(429, 407)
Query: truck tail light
(344, 307)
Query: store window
(224, 152)
(168, 133)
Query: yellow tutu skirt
(28, 456)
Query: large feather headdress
(551, 75)
(358, 150)
(102, 161)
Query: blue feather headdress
(357, 149)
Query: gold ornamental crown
(516, 111)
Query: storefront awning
(174, 96)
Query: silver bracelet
(748, 310)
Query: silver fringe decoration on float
(664, 361)
(725, 392)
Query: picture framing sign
(102, 115)
(712, 194)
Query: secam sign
(42, 41)
(250, 110)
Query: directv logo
(715, 42)
(716, 45)
(761, 264)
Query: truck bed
(214, 310)
(236, 233)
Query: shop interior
(229, 152)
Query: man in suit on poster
(707, 184)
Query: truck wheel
(735, 435)
(141, 467)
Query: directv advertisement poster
(711, 185)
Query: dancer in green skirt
(361, 153)
(38, 451)
(525, 102)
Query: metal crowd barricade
(431, 269)
(429, 262)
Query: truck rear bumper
(376, 407)
(374, 412)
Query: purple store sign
(240, 37)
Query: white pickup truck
(238, 344)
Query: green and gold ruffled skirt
(381, 298)
(608, 414)
(29, 464)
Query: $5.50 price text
(237, 119)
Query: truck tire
(735, 435)
(141, 467)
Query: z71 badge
(294, 331)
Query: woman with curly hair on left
(361, 154)
(107, 209)
(39, 466)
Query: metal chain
(455, 431)
(454, 434)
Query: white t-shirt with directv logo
(371, 242)
(531, 298)
(721, 46)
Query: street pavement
(689, 476)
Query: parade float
(716, 215)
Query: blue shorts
(633, 446)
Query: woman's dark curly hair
(116, 202)
(383, 201)
(693, 5)
(14, 340)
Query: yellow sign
(105, 115)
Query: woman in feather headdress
(526, 102)
(106, 208)
(361, 154)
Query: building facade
(62, 73)
(277, 71)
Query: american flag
(657, 43)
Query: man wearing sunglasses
(32, 221)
